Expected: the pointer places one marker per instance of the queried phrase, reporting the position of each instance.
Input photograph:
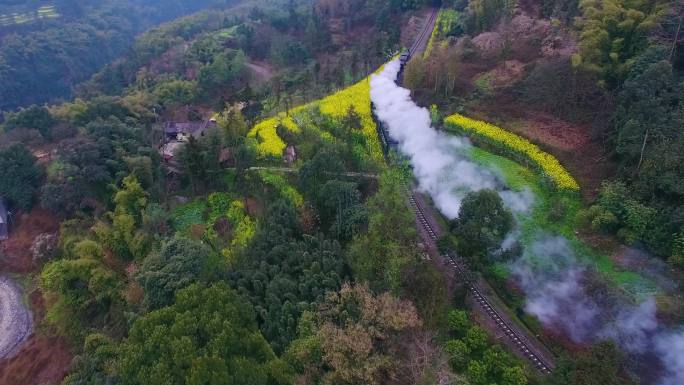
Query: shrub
(182, 217)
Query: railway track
(481, 300)
(452, 259)
(425, 33)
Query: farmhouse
(183, 130)
(4, 227)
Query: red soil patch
(574, 145)
(16, 250)
(42, 360)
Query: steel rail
(453, 260)
(424, 33)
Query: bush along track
(434, 36)
(509, 144)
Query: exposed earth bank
(16, 321)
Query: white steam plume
(670, 348)
(549, 273)
(440, 162)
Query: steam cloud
(548, 272)
(440, 162)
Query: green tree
(613, 33)
(482, 224)
(131, 198)
(20, 176)
(176, 92)
(415, 74)
(316, 172)
(477, 373)
(34, 117)
(233, 125)
(458, 354)
(221, 71)
(650, 111)
(245, 157)
(476, 339)
(458, 321)
(122, 234)
(677, 255)
(199, 160)
(380, 255)
(93, 365)
(179, 263)
(340, 209)
(208, 336)
(484, 14)
(600, 365)
(82, 292)
(426, 286)
(513, 376)
(351, 129)
(284, 276)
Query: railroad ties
(452, 260)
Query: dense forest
(240, 192)
(43, 58)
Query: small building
(183, 130)
(4, 226)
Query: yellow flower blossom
(546, 163)
(335, 106)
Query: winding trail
(16, 321)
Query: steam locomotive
(404, 58)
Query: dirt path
(16, 321)
(290, 170)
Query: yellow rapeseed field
(546, 163)
(336, 106)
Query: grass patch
(516, 147)
(555, 212)
(186, 215)
(225, 33)
(281, 185)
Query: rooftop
(187, 127)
